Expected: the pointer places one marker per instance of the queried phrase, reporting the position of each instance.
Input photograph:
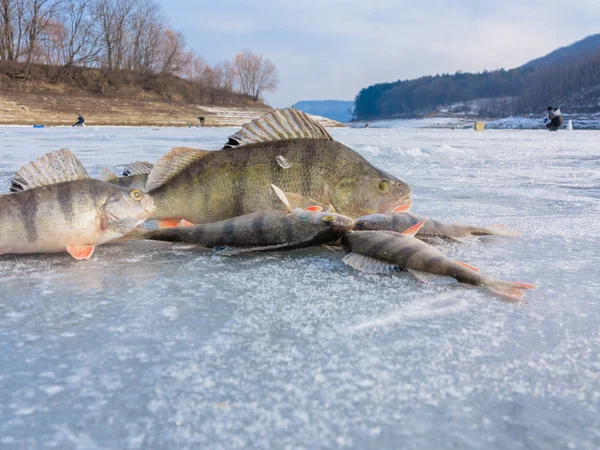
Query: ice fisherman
(554, 120)
(80, 121)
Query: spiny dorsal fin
(367, 264)
(54, 167)
(279, 125)
(176, 160)
(137, 168)
(107, 175)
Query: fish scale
(209, 186)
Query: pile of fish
(281, 182)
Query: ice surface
(153, 346)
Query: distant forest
(527, 89)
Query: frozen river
(150, 346)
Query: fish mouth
(401, 205)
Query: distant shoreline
(580, 122)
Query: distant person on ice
(555, 119)
(80, 121)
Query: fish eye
(384, 186)
(136, 195)
(328, 219)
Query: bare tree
(39, 14)
(147, 23)
(255, 74)
(51, 47)
(7, 20)
(172, 56)
(83, 39)
(114, 18)
(12, 29)
(224, 75)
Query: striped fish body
(407, 253)
(431, 228)
(380, 251)
(260, 230)
(210, 186)
(47, 219)
(233, 182)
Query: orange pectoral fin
(315, 208)
(185, 223)
(80, 252)
(401, 208)
(468, 266)
(414, 229)
(168, 223)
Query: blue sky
(330, 49)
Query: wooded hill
(568, 77)
(113, 83)
(110, 98)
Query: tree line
(516, 91)
(131, 37)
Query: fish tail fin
(509, 289)
(501, 230)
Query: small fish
(400, 221)
(259, 231)
(284, 147)
(135, 175)
(58, 208)
(386, 251)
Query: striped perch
(284, 147)
(386, 251)
(400, 221)
(259, 231)
(58, 207)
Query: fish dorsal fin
(414, 229)
(367, 264)
(176, 160)
(108, 175)
(279, 125)
(54, 167)
(137, 168)
(282, 197)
